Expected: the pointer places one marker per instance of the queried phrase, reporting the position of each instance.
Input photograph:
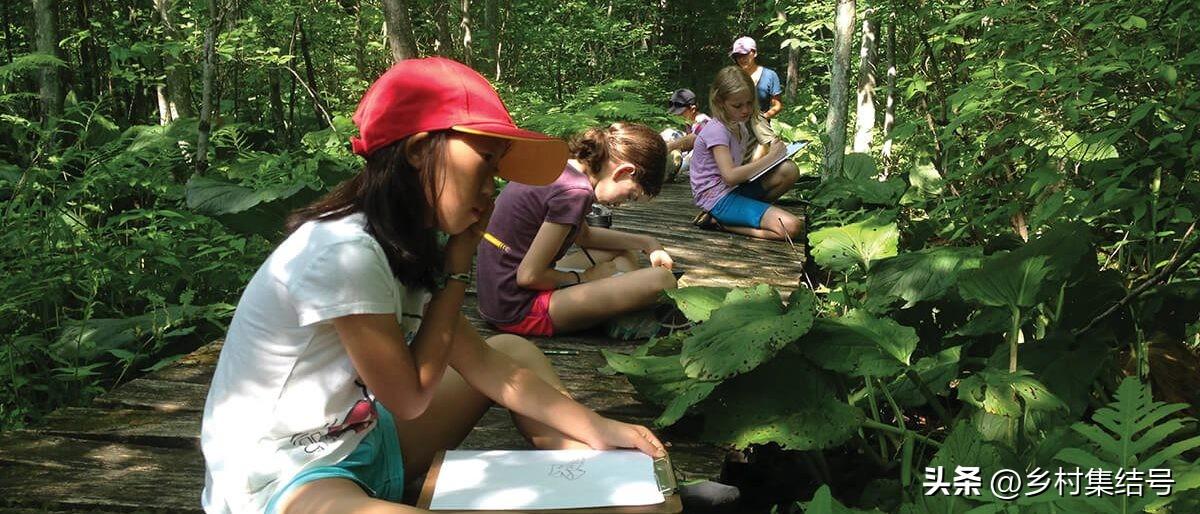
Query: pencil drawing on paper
(571, 471)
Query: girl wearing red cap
(348, 364)
(530, 288)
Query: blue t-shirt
(767, 87)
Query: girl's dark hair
(394, 195)
(634, 143)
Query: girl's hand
(615, 434)
(660, 258)
(461, 247)
(778, 149)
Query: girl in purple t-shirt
(524, 290)
(724, 190)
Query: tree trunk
(88, 81)
(792, 74)
(865, 116)
(495, 26)
(164, 105)
(835, 120)
(465, 25)
(276, 99)
(206, 96)
(889, 113)
(444, 44)
(319, 108)
(399, 30)
(50, 90)
(360, 58)
(179, 80)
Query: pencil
(495, 242)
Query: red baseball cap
(422, 95)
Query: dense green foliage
(975, 293)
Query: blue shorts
(742, 207)
(376, 465)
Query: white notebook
(792, 148)
(544, 479)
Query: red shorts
(537, 322)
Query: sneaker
(708, 497)
(707, 221)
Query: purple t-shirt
(707, 185)
(519, 214)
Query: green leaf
(748, 329)
(926, 183)
(662, 381)
(1134, 22)
(823, 503)
(698, 302)
(1004, 281)
(785, 401)
(213, 196)
(862, 243)
(866, 190)
(965, 447)
(988, 320)
(1064, 245)
(858, 166)
(1007, 394)
(920, 276)
(859, 344)
(936, 371)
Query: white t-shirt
(285, 396)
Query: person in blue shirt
(767, 92)
(766, 81)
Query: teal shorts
(742, 207)
(376, 465)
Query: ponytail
(634, 143)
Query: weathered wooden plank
(178, 429)
(196, 367)
(145, 393)
(51, 472)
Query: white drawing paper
(544, 479)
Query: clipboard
(792, 148)
(663, 472)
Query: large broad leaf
(662, 381)
(1063, 246)
(1005, 281)
(823, 502)
(860, 344)
(965, 447)
(936, 371)
(1068, 368)
(698, 302)
(89, 340)
(1007, 394)
(862, 243)
(926, 183)
(868, 191)
(214, 196)
(748, 329)
(988, 320)
(658, 379)
(858, 166)
(784, 401)
(920, 276)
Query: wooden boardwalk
(136, 448)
